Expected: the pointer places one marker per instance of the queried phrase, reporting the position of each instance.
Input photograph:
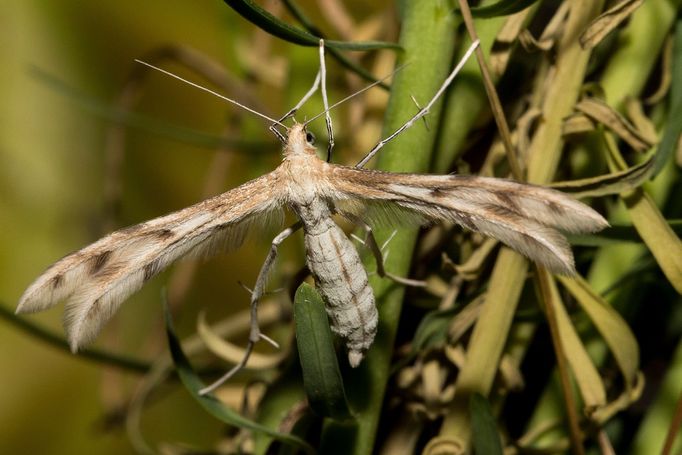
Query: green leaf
(610, 324)
(342, 59)
(501, 8)
(486, 438)
(217, 409)
(96, 355)
(252, 12)
(590, 383)
(321, 376)
(433, 329)
(673, 129)
(620, 340)
(613, 183)
(617, 233)
(275, 408)
(657, 234)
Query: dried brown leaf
(609, 117)
(645, 127)
(532, 44)
(607, 21)
(577, 123)
(613, 183)
(505, 39)
(232, 353)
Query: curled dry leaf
(607, 21)
(505, 40)
(644, 125)
(531, 44)
(232, 353)
(471, 268)
(577, 124)
(603, 113)
(612, 183)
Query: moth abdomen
(341, 280)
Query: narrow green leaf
(657, 234)
(275, 409)
(607, 21)
(433, 329)
(252, 12)
(587, 377)
(342, 59)
(501, 8)
(217, 409)
(620, 341)
(613, 183)
(673, 129)
(611, 326)
(97, 355)
(485, 437)
(617, 233)
(321, 375)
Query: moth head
(300, 141)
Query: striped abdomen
(342, 281)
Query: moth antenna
(212, 92)
(423, 111)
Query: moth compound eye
(310, 138)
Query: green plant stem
(490, 333)
(427, 35)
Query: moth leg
(424, 110)
(371, 242)
(293, 110)
(316, 84)
(255, 334)
(325, 101)
(306, 97)
(320, 77)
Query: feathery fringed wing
(528, 218)
(94, 281)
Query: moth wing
(95, 280)
(528, 218)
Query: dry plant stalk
(97, 279)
